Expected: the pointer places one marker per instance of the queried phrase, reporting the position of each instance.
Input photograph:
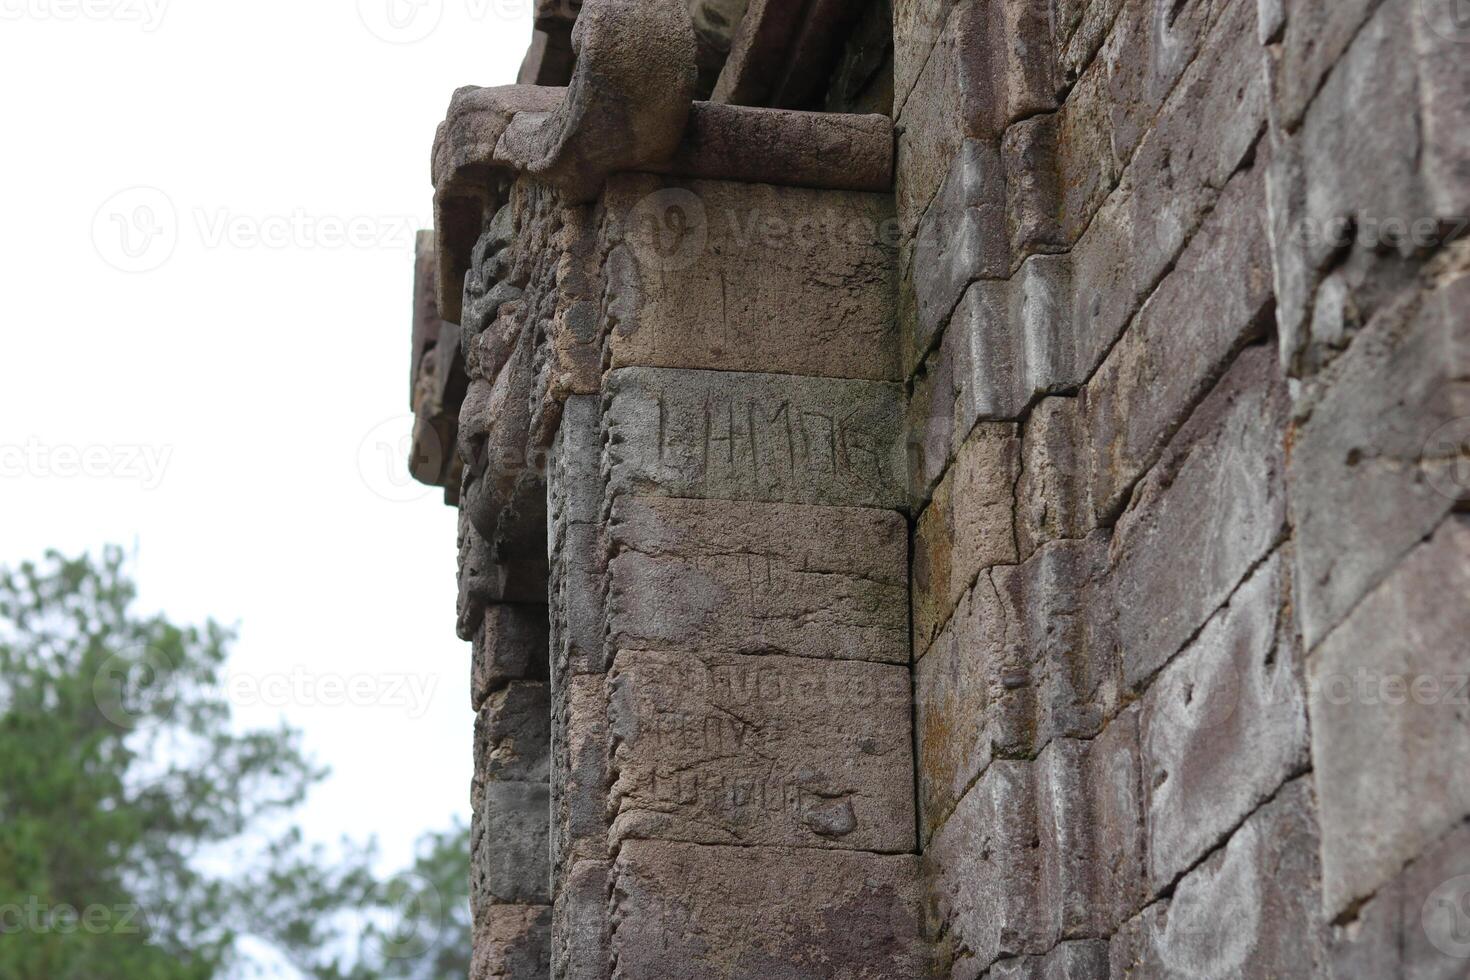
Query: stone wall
(1023, 537)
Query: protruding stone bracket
(625, 109)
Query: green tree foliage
(124, 786)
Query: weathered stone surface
(510, 849)
(1316, 36)
(1224, 725)
(983, 869)
(1089, 829)
(1060, 665)
(1028, 656)
(576, 545)
(969, 526)
(1079, 960)
(1204, 516)
(1216, 299)
(955, 686)
(1011, 342)
(1250, 911)
(1368, 477)
(513, 736)
(749, 277)
(1053, 493)
(711, 435)
(512, 942)
(1207, 129)
(732, 577)
(1401, 189)
(510, 644)
(579, 783)
(580, 924)
(1388, 694)
(759, 48)
(827, 150)
(762, 750)
(756, 913)
(963, 237)
(990, 65)
(1415, 926)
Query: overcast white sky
(205, 272)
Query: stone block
(1026, 657)
(1211, 509)
(1053, 493)
(1115, 787)
(1250, 911)
(580, 924)
(510, 849)
(963, 237)
(510, 644)
(1217, 298)
(750, 277)
(1060, 663)
(1148, 52)
(512, 942)
(513, 736)
(969, 526)
(578, 600)
(728, 749)
(1089, 825)
(1370, 472)
(1224, 725)
(579, 784)
(1011, 342)
(1313, 39)
(734, 577)
(574, 470)
(991, 64)
(916, 26)
(1075, 146)
(984, 868)
(1388, 694)
(721, 435)
(1416, 926)
(758, 913)
(1207, 129)
(956, 686)
(1390, 196)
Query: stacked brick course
(1023, 538)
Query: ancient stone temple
(963, 488)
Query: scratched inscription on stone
(724, 435)
(744, 577)
(730, 749)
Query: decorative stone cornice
(625, 109)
